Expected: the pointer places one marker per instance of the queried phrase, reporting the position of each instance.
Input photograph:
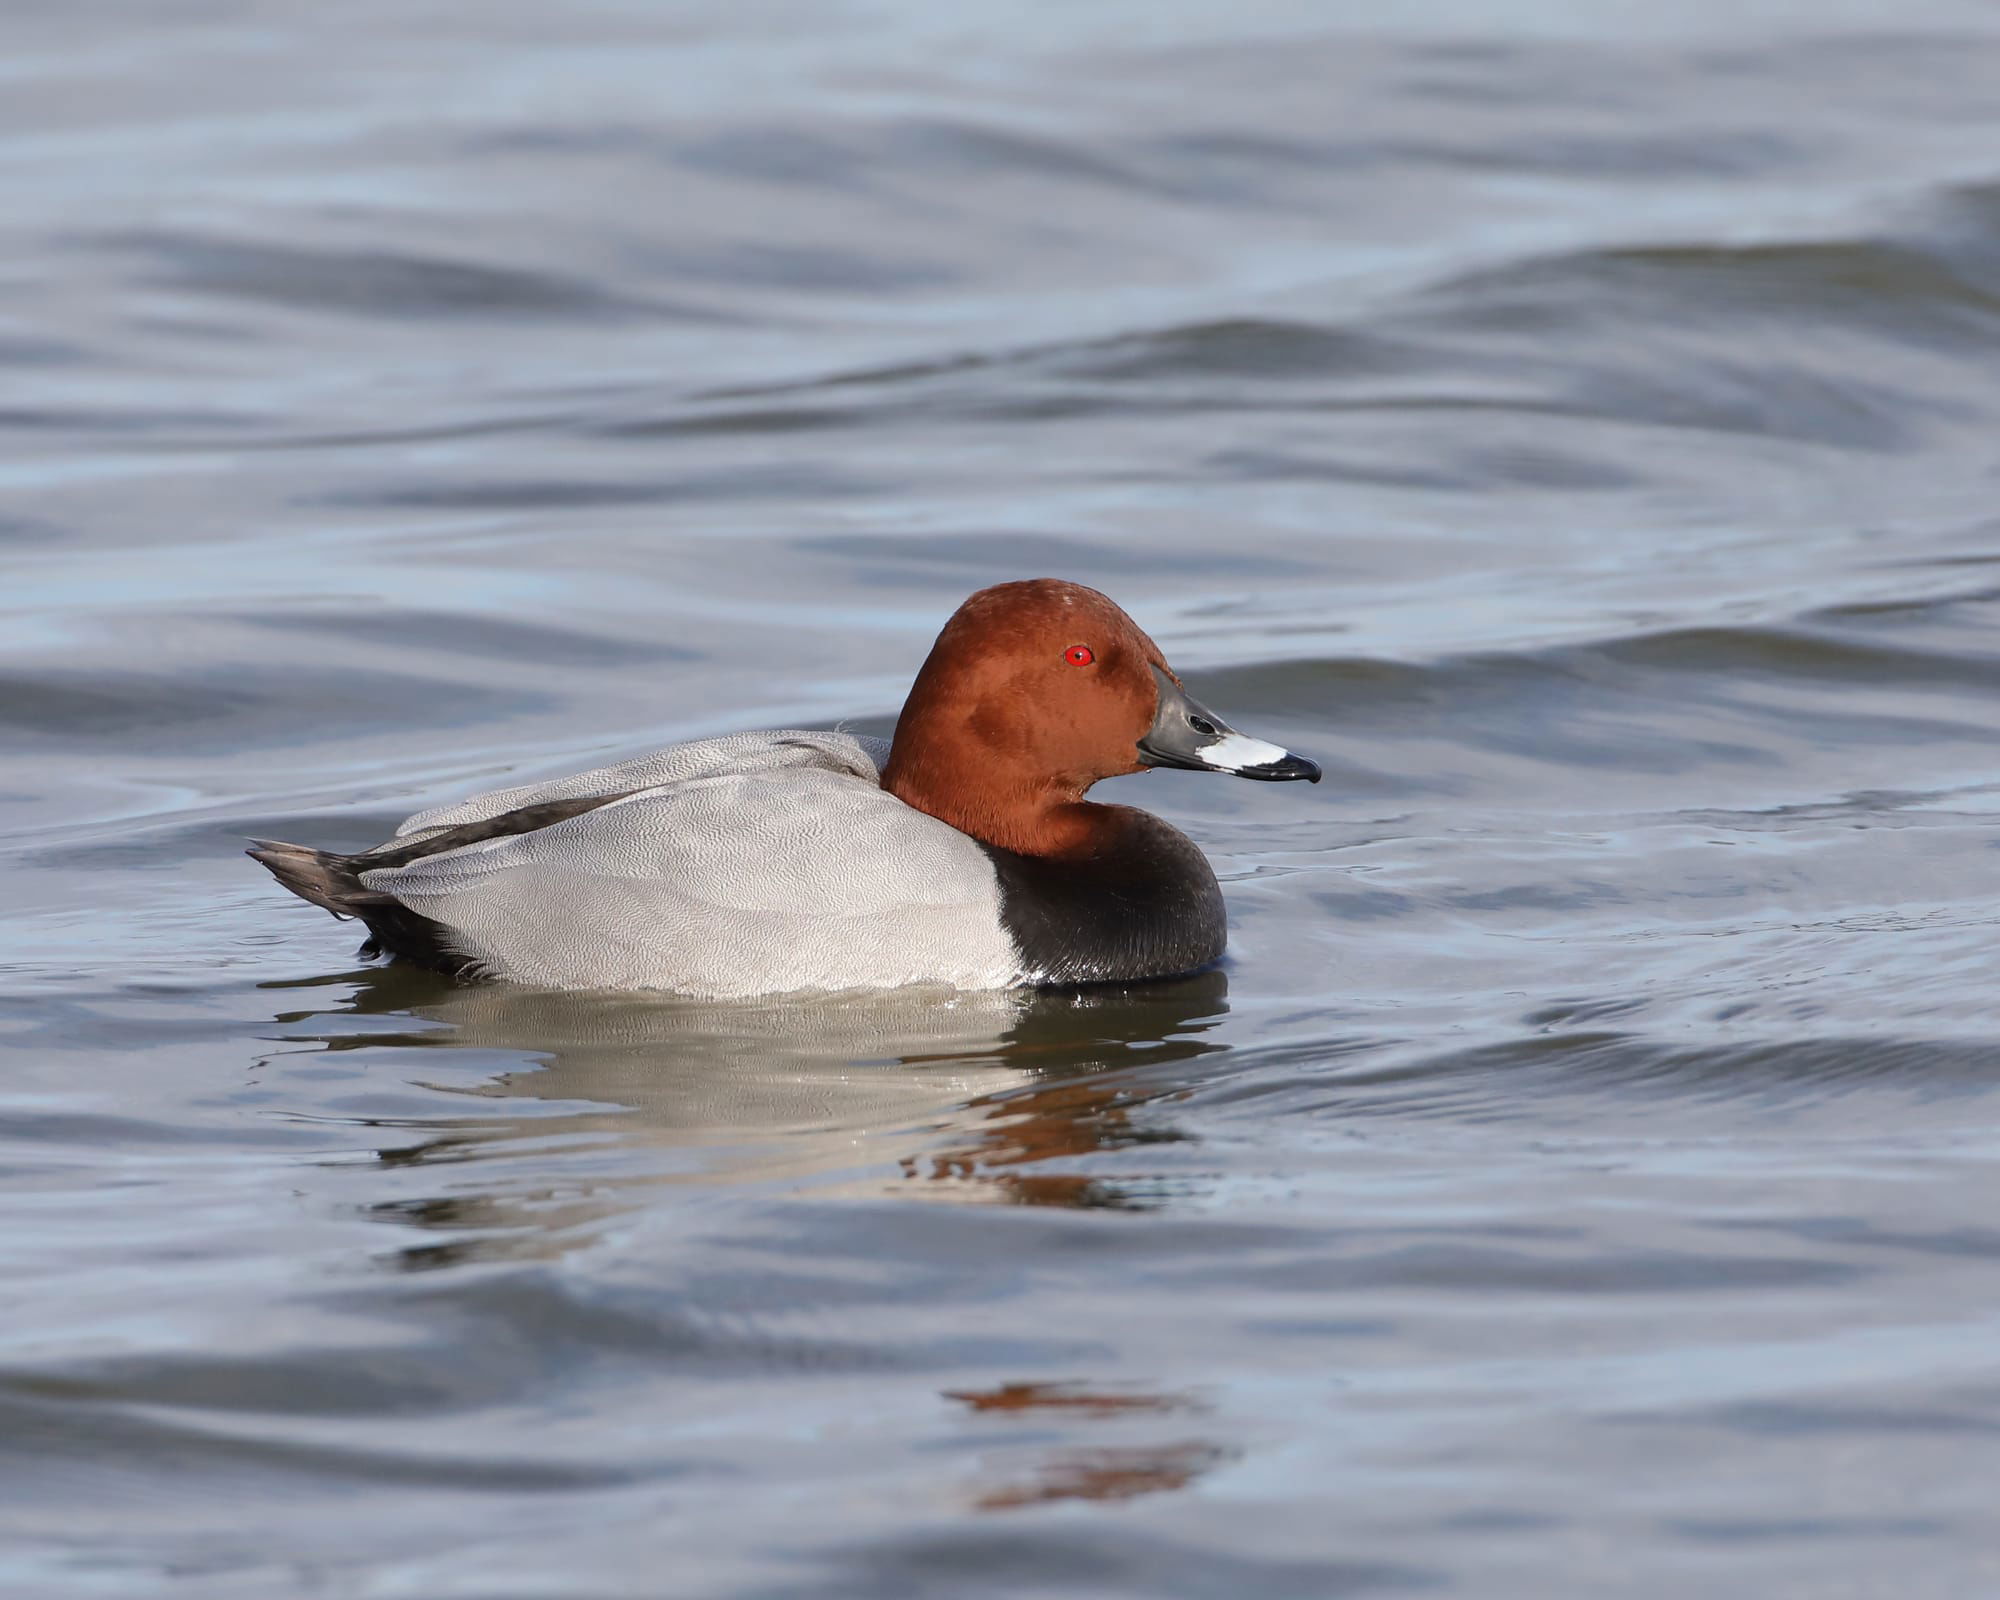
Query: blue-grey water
(1577, 426)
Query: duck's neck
(1047, 820)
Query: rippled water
(1578, 427)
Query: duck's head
(1036, 690)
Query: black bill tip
(1286, 771)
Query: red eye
(1079, 655)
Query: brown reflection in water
(1070, 1397)
(1079, 1107)
(1107, 1475)
(671, 1091)
(1096, 1472)
(1062, 1121)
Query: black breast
(1147, 906)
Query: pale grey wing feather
(744, 883)
(736, 752)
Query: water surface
(1574, 426)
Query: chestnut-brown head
(1032, 693)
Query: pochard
(962, 853)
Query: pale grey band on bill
(1235, 751)
(1186, 734)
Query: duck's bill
(1186, 734)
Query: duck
(960, 853)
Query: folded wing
(736, 866)
(742, 753)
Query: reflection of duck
(981, 1084)
(1096, 1471)
(1074, 1106)
(963, 854)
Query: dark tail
(333, 882)
(326, 879)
